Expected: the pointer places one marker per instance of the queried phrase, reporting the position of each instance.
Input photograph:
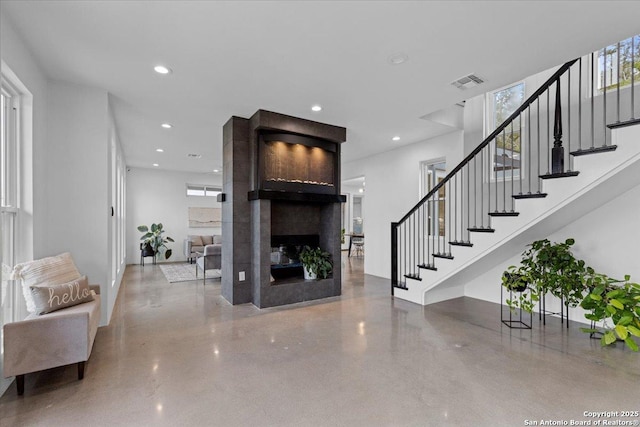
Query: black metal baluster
(529, 144)
(490, 173)
(468, 202)
(447, 206)
(568, 160)
(539, 159)
(633, 89)
(513, 161)
(455, 212)
(618, 85)
(548, 136)
(504, 172)
(580, 104)
(430, 248)
(593, 83)
(604, 96)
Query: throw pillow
(52, 270)
(196, 240)
(48, 298)
(207, 240)
(217, 239)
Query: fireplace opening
(285, 253)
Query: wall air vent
(467, 82)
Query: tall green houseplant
(153, 237)
(549, 268)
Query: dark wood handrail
(492, 136)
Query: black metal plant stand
(543, 312)
(515, 320)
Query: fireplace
(291, 167)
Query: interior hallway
(180, 355)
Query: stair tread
(431, 267)
(594, 150)
(623, 124)
(461, 243)
(481, 230)
(504, 213)
(560, 175)
(529, 196)
(443, 256)
(413, 276)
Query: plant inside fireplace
(316, 263)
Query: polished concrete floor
(180, 355)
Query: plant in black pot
(316, 263)
(516, 280)
(153, 241)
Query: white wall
(63, 169)
(160, 196)
(606, 239)
(392, 189)
(17, 57)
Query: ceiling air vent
(467, 82)
(194, 156)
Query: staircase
(579, 147)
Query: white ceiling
(233, 58)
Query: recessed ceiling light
(159, 150)
(398, 58)
(361, 190)
(156, 165)
(167, 125)
(161, 69)
(316, 108)
(216, 170)
(396, 138)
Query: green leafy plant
(548, 268)
(316, 261)
(342, 236)
(515, 281)
(551, 268)
(616, 304)
(153, 238)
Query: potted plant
(548, 268)
(616, 304)
(153, 242)
(316, 263)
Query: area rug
(176, 272)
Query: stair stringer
(602, 177)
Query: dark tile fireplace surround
(282, 187)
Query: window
(507, 151)
(8, 172)
(203, 190)
(626, 60)
(431, 174)
(9, 137)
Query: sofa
(62, 325)
(196, 243)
